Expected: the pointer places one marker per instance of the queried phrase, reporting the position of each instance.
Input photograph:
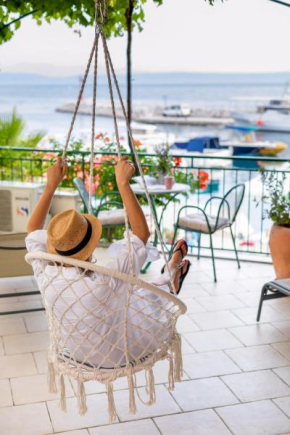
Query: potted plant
(164, 165)
(279, 213)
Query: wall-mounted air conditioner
(18, 200)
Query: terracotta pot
(168, 181)
(280, 250)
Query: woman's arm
(124, 171)
(55, 175)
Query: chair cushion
(112, 217)
(117, 216)
(196, 221)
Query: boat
(177, 110)
(272, 115)
(245, 142)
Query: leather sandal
(183, 275)
(177, 250)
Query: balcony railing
(252, 227)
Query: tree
(123, 15)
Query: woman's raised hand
(124, 170)
(56, 173)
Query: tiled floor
(236, 372)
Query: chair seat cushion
(117, 216)
(112, 217)
(197, 222)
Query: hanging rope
(101, 10)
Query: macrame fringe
(132, 402)
(62, 402)
(51, 378)
(81, 396)
(111, 403)
(150, 386)
(177, 357)
(171, 374)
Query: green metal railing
(251, 229)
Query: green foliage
(75, 13)
(164, 160)
(279, 202)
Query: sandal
(176, 250)
(183, 275)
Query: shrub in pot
(279, 213)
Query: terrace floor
(236, 372)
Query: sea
(36, 98)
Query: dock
(150, 114)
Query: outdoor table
(158, 190)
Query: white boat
(177, 110)
(272, 115)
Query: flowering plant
(164, 161)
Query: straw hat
(74, 235)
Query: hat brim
(87, 251)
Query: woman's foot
(179, 252)
(178, 267)
(180, 275)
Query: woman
(93, 311)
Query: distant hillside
(156, 78)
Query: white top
(100, 333)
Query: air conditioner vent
(6, 223)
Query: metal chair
(273, 290)
(109, 217)
(203, 223)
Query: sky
(179, 36)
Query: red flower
(99, 136)
(203, 178)
(137, 143)
(177, 161)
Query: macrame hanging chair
(100, 334)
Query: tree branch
(280, 3)
(18, 19)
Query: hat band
(81, 245)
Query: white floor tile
(25, 420)
(284, 404)
(257, 358)
(1, 347)
(23, 343)
(192, 423)
(17, 306)
(5, 395)
(134, 427)
(222, 288)
(248, 315)
(283, 348)
(33, 389)
(193, 306)
(204, 365)
(258, 418)
(73, 432)
(36, 323)
(13, 326)
(284, 327)
(186, 324)
(216, 320)
(283, 373)
(212, 340)
(203, 393)
(40, 360)
(164, 404)
(221, 302)
(258, 385)
(258, 334)
(97, 414)
(17, 365)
